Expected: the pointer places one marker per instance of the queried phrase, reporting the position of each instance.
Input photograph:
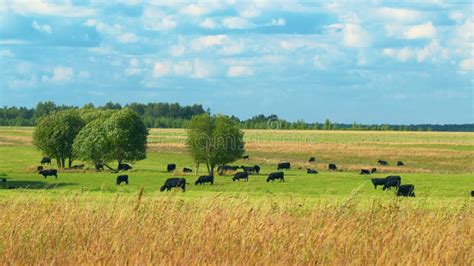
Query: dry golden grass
(90, 230)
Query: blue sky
(365, 61)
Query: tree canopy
(55, 134)
(214, 140)
(118, 135)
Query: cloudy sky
(364, 61)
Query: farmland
(332, 217)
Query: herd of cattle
(406, 190)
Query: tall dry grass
(65, 231)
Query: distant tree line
(173, 115)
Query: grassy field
(332, 217)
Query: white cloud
(194, 10)
(177, 50)
(401, 55)
(40, 7)
(60, 74)
(162, 69)
(134, 68)
(278, 22)
(42, 28)
(128, 38)
(232, 48)
(355, 36)
(208, 23)
(208, 41)
(399, 14)
(84, 74)
(238, 71)
(194, 69)
(27, 83)
(6, 53)
(250, 12)
(467, 64)
(421, 31)
(456, 16)
(236, 23)
(103, 28)
(156, 20)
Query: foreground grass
(85, 229)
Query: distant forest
(173, 115)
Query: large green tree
(55, 133)
(120, 136)
(214, 140)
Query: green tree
(54, 135)
(127, 135)
(120, 135)
(214, 140)
(327, 125)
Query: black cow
(120, 179)
(373, 170)
(276, 175)
(284, 166)
(241, 175)
(174, 182)
(77, 166)
(332, 166)
(400, 163)
(251, 169)
(3, 180)
(49, 172)
(39, 168)
(46, 160)
(378, 182)
(382, 162)
(406, 191)
(312, 159)
(392, 181)
(187, 170)
(99, 166)
(171, 167)
(124, 167)
(472, 193)
(364, 172)
(245, 157)
(311, 171)
(205, 179)
(224, 168)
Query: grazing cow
(39, 168)
(472, 193)
(284, 166)
(311, 171)
(49, 172)
(205, 179)
(364, 172)
(392, 181)
(171, 167)
(124, 167)
(382, 162)
(177, 182)
(121, 179)
(245, 157)
(241, 175)
(332, 166)
(46, 160)
(251, 169)
(99, 166)
(400, 163)
(373, 170)
(406, 191)
(224, 168)
(276, 175)
(80, 166)
(378, 182)
(312, 159)
(3, 180)
(187, 170)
